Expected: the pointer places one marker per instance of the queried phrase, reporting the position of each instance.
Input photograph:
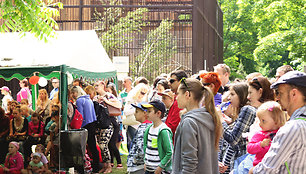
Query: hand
(6, 169)
(227, 119)
(251, 170)
(265, 142)
(144, 167)
(222, 167)
(158, 170)
(231, 111)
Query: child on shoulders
(158, 147)
(271, 118)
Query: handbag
(77, 119)
(113, 111)
(103, 118)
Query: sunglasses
(206, 84)
(183, 80)
(172, 80)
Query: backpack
(76, 119)
(103, 118)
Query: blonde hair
(41, 102)
(24, 107)
(278, 115)
(135, 92)
(78, 90)
(202, 93)
(89, 89)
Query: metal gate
(196, 35)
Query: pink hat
(15, 144)
(5, 88)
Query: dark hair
(143, 80)
(57, 107)
(302, 89)
(157, 80)
(179, 74)
(55, 113)
(264, 84)
(162, 113)
(112, 86)
(35, 114)
(18, 108)
(241, 90)
(79, 81)
(25, 82)
(164, 83)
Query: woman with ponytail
(197, 135)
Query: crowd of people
(199, 124)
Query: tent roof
(81, 51)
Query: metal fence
(196, 35)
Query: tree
(125, 26)
(158, 47)
(240, 37)
(35, 16)
(264, 34)
(283, 41)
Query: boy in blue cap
(135, 163)
(158, 147)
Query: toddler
(271, 118)
(41, 150)
(35, 165)
(13, 161)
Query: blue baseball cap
(293, 77)
(139, 106)
(157, 104)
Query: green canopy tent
(70, 54)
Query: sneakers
(119, 166)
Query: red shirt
(33, 128)
(173, 118)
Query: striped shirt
(152, 159)
(289, 145)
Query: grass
(120, 171)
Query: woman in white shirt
(7, 97)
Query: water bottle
(224, 106)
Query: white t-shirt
(5, 100)
(151, 157)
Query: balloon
(42, 82)
(69, 78)
(34, 80)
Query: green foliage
(35, 16)
(120, 27)
(264, 34)
(158, 48)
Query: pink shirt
(33, 129)
(14, 163)
(254, 145)
(23, 94)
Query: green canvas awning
(79, 53)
